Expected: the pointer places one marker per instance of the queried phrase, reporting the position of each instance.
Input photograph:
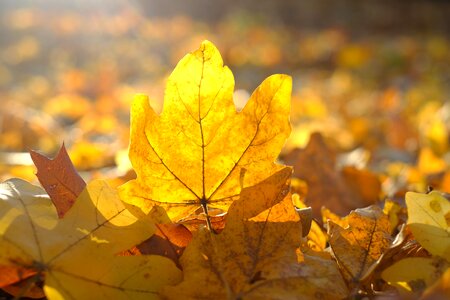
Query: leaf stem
(208, 219)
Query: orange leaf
(59, 178)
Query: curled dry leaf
(358, 247)
(316, 239)
(199, 151)
(76, 255)
(256, 256)
(59, 178)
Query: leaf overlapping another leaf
(59, 179)
(256, 256)
(200, 151)
(429, 220)
(77, 254)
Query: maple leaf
(256, 255)
(59, 178)
(199, 150)
(358, 247)
(76, 255)
(338, 190)
(429, 221)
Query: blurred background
(372, 77)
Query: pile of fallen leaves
(210, 215)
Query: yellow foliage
(256, 255)
(76, 255)
(414, 274)
(429, 220)
(199, 150)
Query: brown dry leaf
(316, 239)
(25, 288)
(366, 184)
(169, 240)
(358, 247)
(256, 255)
(59, 178)
(199, 151)
(327, 186)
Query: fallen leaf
(316, 239)
(26, 288)
(11, 275)
(338, 190)
(366, 184)
(199, 151)
(59, 178)
(415, 274)
(429, 221)
(76, 255)
(256, 255)
(358, 247)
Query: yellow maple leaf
(76, 255)
(200, 150)
(256, 255)
(429, 221)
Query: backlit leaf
(59, 179)
(429, 220)
(256, 256)
(199, 150)
(77, 254)
(415, 274)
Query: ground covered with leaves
(330, 182)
